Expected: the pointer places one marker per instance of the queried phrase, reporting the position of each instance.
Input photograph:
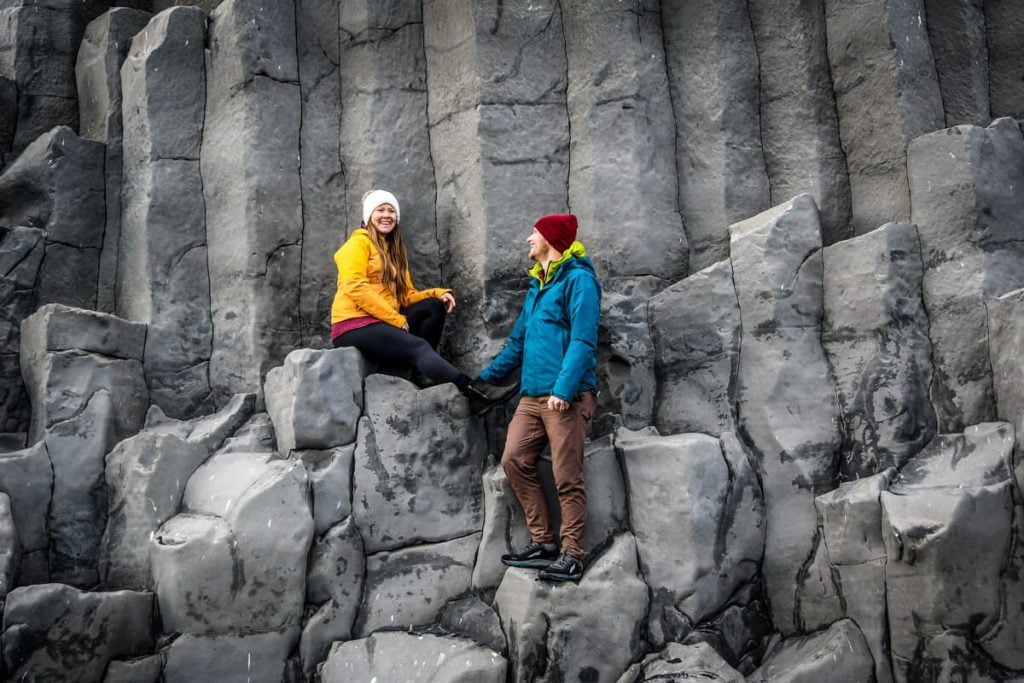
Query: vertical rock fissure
(927, 316)
(568, 116)
(675, 137)
(302, 205)
(760, 107)
(430, 149)
(202, 198)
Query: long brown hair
(394, 262)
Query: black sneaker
(483, 396)
(533, 556)
(565, 568)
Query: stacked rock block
(817, 473)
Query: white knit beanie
(374, 199)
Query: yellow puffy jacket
(360, 290)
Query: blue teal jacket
(555, 336)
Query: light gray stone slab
(571, 631)
(27, 477)
(1004, 26)
(315, 398)
(875, 334)
(418, 465)
(255, 658)
(98, 75)
(971, 222)
(714, 81)
(255, 436)
(695, 329)
(410, 587)
(786, 401)
(146, 476)
(56, 631)
(887, 94)
(686, 496)
(56, 327)
(504, 529)
(407, 656)
(838, 653)
(472, 618)
(212, 430)
(956, 35)
(620, 115)
(330, 480)
(337, 569)
(253, 219)
(799, 123)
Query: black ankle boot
(483, 396)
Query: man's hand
(448, 299)
(555, 403)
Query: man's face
(538, 245)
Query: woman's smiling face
(384, 219)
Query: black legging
(387, 344)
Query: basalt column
(499, 139)
(385, 142)
(250, 169)
(162, 276)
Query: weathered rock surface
(253, 220)
(256, 658)
(53, 631)
(27, 477)
(956, 34)
(785, 397)
(970, 226)
(838, 654)
(412, 484)
(411, 586)
(1006, 339)
(715, 503)
(406, 657)
(163, 274)
(1003, 26)
(146, 477)
(695, 329)
(586, 631)
(797, 106)
(719, 158)
(947, 524)
(315, 398)
(21, 254)
(504, 529)
(682, 662)
(98, 76)
(474, 619)
(10, 547)
(625, 357)
(887, 94)
(875, 333)
(330, 480)
(138, 670)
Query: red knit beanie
(558, 229)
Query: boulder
(689, 493)
(970, 222)
(418, 463)
(56, 632)
(255, 658)
(695, 329)
(98, 75)
(586, 631)
(741, 632)
(836, 654)
(887, 94)
(956, 36)
(947, 524)
(255, 436)
(146, 477)
(211, 431)
(875, 334)
(712, 65)
(330, 481)
(785, 397)
(407, 657)
(315, 398)
(253, 220)
(163, 276)
(411, 586)
(797, 107)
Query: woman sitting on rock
(379, 311)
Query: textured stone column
(956, 34)
(887, 94)
(786, 401)
(970, 215)
(98, 73)
(1004, 26)
(799, 126)
(250, 170)
(21, 254)
(385, 142)
(622, 179)
(712, 65)
(163, 277)
(321, 172)
(875, 333)
(499, 140)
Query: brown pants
(531, 428)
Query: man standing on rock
(555, 341)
